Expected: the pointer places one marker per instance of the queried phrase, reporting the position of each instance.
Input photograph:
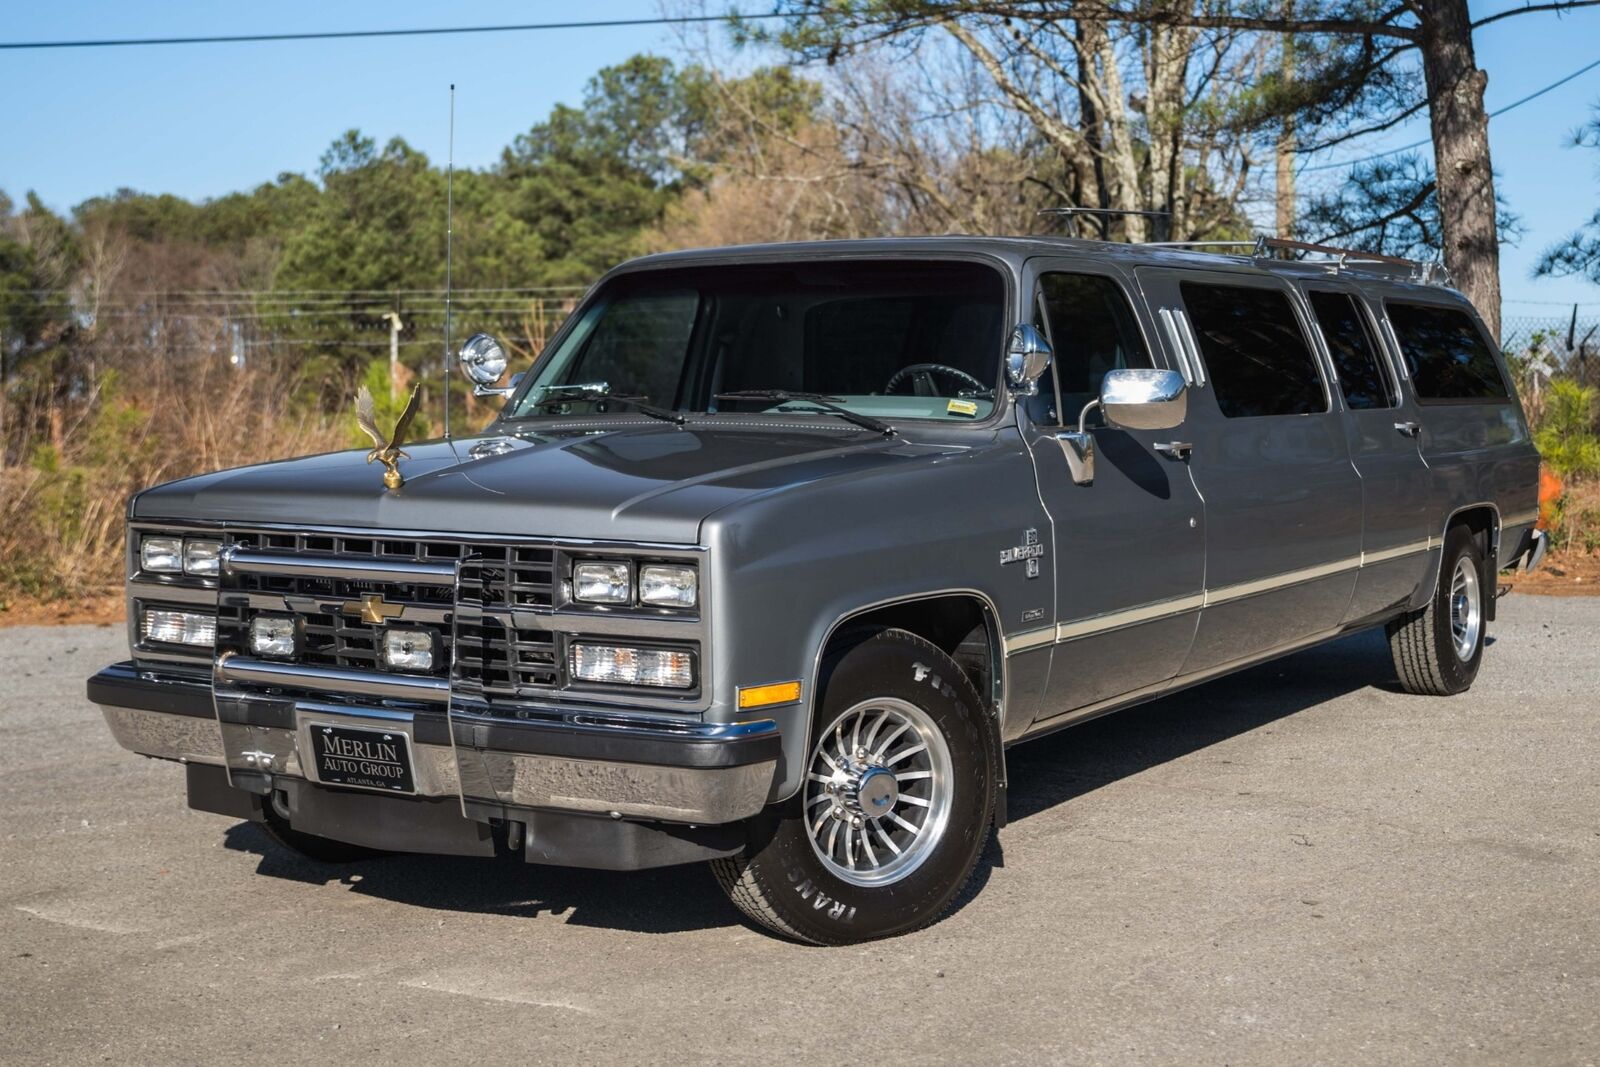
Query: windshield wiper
(822, 401)
(556, 394)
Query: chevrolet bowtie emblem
(374, 609)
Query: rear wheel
(1437, 650)
(895, 807)
(275, 822)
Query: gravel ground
(1297, 864)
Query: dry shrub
(62, 511)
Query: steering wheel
(922, 378)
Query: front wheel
(895, 807)
(1437, 650)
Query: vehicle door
(1474, 437)
(1129, 548)
(1269, 456)
(1382, 426)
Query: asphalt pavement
(1298, 864)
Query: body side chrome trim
(1173, 685)
(1030, 639)
(1114, 620)
(1280, 581)
(1383, 555)
(1151, 612)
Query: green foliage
(1579, 252)
(1566, 435)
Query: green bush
(1566, 435)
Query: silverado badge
(388, 451)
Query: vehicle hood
(631, 483)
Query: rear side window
(1355, 356)
(1446, 354)
(1092, 330)
(1258, 359)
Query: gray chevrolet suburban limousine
(774, 551)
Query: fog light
(202, 558)
(601, 583)
(620, 665)
(177, 627)
(667, 587)
(408, 650)
(163, 555)
(274, 635)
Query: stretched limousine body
(774, 551)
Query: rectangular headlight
(161, 555)
(668, 587)
(274, 635)
(620, 665)
(178, 627)
(602, 583)
(202, 558)
(408, 650)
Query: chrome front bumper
(657, 769)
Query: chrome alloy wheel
(1466, 609)
(878, 790)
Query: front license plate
(371, 759)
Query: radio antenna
(449, 235)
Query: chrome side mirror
(1144, 399)
(1027, 359)
(483, 361)
(1132, 398)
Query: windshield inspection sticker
(961, 407)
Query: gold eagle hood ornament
(387, 451)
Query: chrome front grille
(501, 647)
(322, 578)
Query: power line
(429, 31)
(1428, 140)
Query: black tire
(781, 880)
(1424, 643)
(319, 849)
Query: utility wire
(430, 31)
(1428, 140)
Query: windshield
(906, 339)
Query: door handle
(1409, 429)
(1175, 449)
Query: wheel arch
(961, 622)
(1483, 519)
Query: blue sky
(200, 121)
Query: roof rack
(1264, 247)
(1202, 244)
(1425, 273)
(1104, 215)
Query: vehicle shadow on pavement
(1043, 775)
(665, 900)
(1055, 769)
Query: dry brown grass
(62, 511)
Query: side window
(1257, 357)
(1354, 353)
(1092, 330)
(1446, 354)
